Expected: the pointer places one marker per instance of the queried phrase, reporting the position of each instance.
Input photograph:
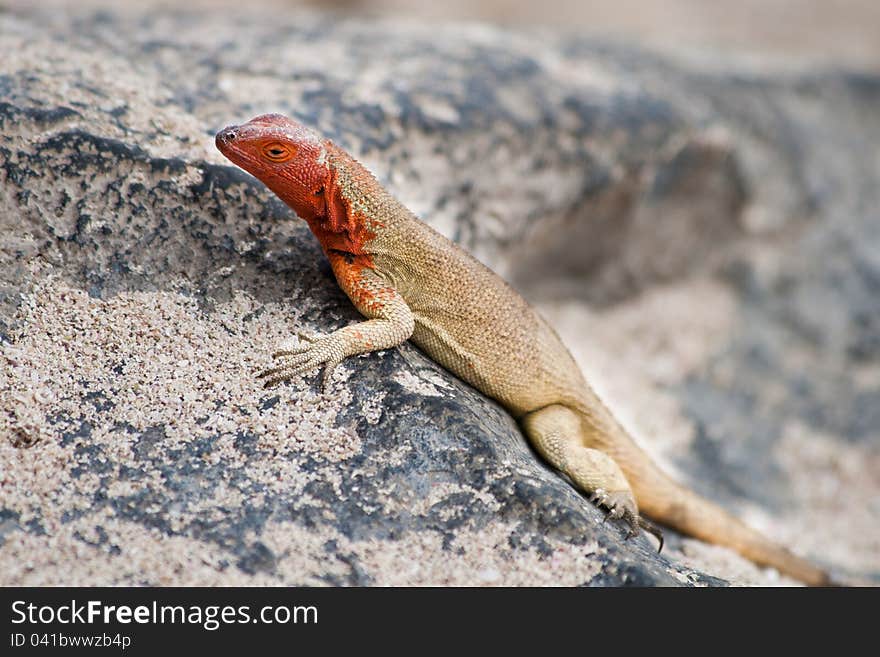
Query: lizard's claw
(325, 350)
(653, 529)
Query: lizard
(412, 283)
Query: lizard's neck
(358, 209)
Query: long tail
(662, 499)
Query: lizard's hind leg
(555, 431)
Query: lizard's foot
(316, 351)
(620, 505)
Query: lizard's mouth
(228, 143)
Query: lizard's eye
(278, 152)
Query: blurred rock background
(845, 32)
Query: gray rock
(143, 280)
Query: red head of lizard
(297, 165)
(288, 157)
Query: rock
(144, 281)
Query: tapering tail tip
(806, 572)
(812, 575)
(765, 552)
(730, 532)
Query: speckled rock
(713, 228)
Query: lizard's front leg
(390, 323)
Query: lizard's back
(473, 323)
(467, 318)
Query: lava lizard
(411, 283)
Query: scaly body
(410, 282)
